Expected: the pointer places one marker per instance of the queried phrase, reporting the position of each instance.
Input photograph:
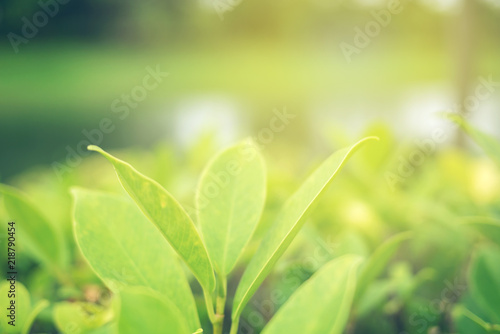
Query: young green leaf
(322, 304)
(484, 279)
(288, 223)
(141, 311)
(124, 249)
(21, 308)
(229, 201)
(168, 216)
(37, 234)
(489, 144)
(35, 311)
(378, 261)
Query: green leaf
(39, 307)
(322, 304)
(80, 317)
(168, 216)
(376, 159)
(37, 234)
(229, 201)
(22, 304)
(288, 223)
(489, 143)
(487, 226)
(143, 312)
(484, 279)
(124, 249)
(378, 261)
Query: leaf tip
(362, 142)
(372, 138)
(95, 148)
(452, 117)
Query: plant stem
(235, 325)
(490, 328)
(218, 322)
(210, 305)
(32, 316)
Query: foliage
(227, 249)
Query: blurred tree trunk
(464, 49)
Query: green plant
(369, 260)
(130, 254)
(25, 311)
(484, 272)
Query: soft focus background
(330, 70)
(230, 63)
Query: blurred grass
(86, 77)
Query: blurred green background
(232, 67)
(230, 63)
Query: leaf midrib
(229, 227)
(145, 281)
(348, 153)
(274, 252)
(351, 283)
(148, 215)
